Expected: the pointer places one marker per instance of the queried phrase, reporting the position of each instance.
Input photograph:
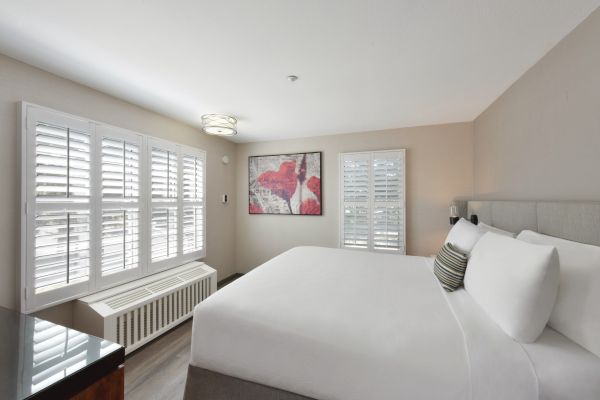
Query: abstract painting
(285, 184)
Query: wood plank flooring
(157, 371)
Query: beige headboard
(577, 221)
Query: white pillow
(463, 236)
(484, 228)
(576, 313)
(515, 283)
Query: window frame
(371, 201)
(30, 114)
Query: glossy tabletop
(39, 359)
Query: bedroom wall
(438, 165)
(19, 81)
(541, 138)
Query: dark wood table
(43, 360)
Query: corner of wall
(236, 199)
(473, 155)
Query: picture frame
(285, 184)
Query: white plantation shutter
(388, 201)
(103, 206)
(355, 193)
(58, 201)
(193, 204)
(120, 165)
(177, 185)
(164, 203)
(372, 203)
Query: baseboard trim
(226, 281)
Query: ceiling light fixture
(219, 124)
(292, 78)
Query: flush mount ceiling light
(219, 124)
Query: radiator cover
(137, 312)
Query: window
(103, 206)
(372, 201)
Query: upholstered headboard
(577, 221)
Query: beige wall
(18, 82)
(541, 138)
(438, 165)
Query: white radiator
(137, 312)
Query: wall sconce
(454, 217)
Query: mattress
(341, 324)
(560, 369)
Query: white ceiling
(363, 65)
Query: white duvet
(339, 324)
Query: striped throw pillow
(450, 266)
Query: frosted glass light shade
(219, 124)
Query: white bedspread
(340, 324)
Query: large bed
(320, 323)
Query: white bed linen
(500, 369)
(566, 371)
(559, 369)
(340, 324)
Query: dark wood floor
(158, 369)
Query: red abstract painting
(285, 184)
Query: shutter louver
(373, 201)
(62, 164)
(388, 177)
(62, 249)
(356, 182)
(120, 240)
(356, 226)
(193, 208)
(165, 216)
(120, 205)
(164, 175)
(388, 201)
(193, 178)
(386, 227)
(193, 228)
(120, 170)
(356, 179)
(164, 233)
